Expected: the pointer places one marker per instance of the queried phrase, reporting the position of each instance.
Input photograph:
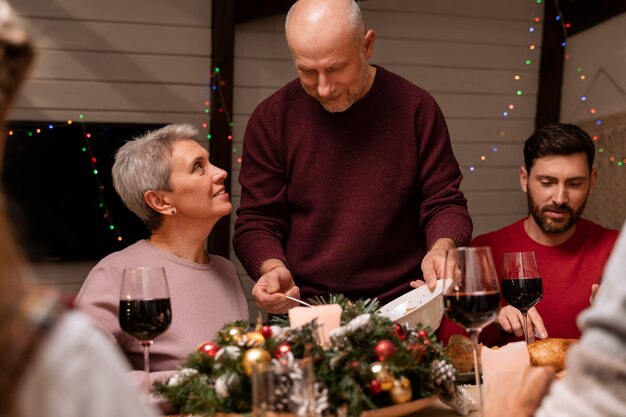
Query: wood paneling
(466, 80)
(121, 37)
(188, 13)
(106, 67)
(506, 156)
(94, 95)
(500, 203)
(489, 130)
(107, 116)
(143, 61)
(492, 9)
(492, 179)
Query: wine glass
(521, 283)
(145, 310)
(472, 299)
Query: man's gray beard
(351, 99)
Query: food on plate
(459, 350)
(550, 352)
(547, 352)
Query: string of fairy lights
(17, 132)
(30, 132)
(599, 134)
(517, 77)
(216, 87)
(216, 93)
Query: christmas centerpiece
(367, 363)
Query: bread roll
(459, 350)
(550, 352)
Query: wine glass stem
(474, 333)
(146, 366)
(525, 325)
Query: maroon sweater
(350, 201)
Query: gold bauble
(383, 374)
(401, 391)
(252, 357)
(254, 339)
(234, 334)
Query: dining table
(436, 409)
(439, 409)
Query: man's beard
(547, 224)
(352, 96)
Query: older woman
(166, 179)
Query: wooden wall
(117, 61)
(598, 55)
(466, 53)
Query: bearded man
(571, 252)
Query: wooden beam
(221, 107)
(550, 69)
(584, 14)
(246, 10)
(581, 15)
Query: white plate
(418, 306)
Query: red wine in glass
(472, 310)
(145, 310)
(521, 283)
(145, 319)
(472, 299)
(522, 293)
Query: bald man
(349, 183)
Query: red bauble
(282, 349)
(384, 349)
(423, 334)
(417, 351)
(266, 331)
(400, 331)
(375, 386)
(209, 348)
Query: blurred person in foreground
(349, 182)
(571, 252)
(595, 380)
(53, 361)
(166, 179)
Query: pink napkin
(511, 357)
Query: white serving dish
(418, 306)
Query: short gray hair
(143, 164)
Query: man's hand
(433, 263)
(274, 284)
(594, 292)
(510, 320)
(516, 393)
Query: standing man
(349, 183)
(571, 252)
